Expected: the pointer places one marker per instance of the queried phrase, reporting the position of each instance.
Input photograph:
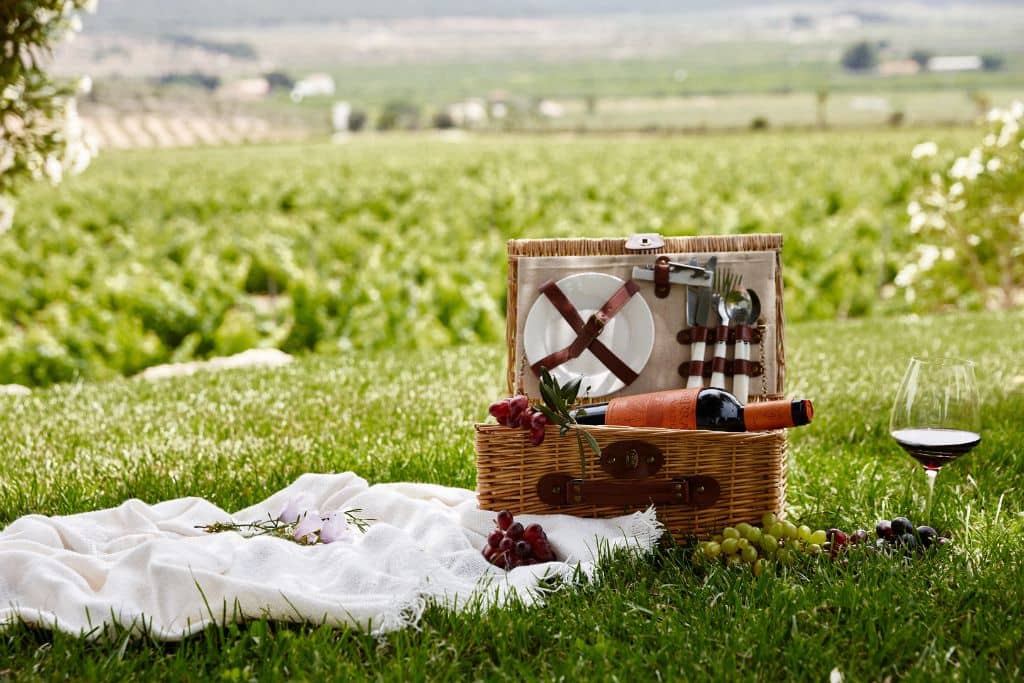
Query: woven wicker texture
(749, 467)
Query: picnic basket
(698, 481)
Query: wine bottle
(697, 408)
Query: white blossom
(913, 208)
(77, 158)
(973, 240)
(917, 221)
(956, 189)
(989, 140)
(84, 85)
(948, 254)
(924, 149)
(44, 16)
(929, 255)
(13, 91)
(1021, 219)
(90, 6)
(6, 155)
(1008, 132)
(906, 276)
(966, 168)
(6, 214)
(1017, 109)
(994, 164)
(53, 169)
(34, 163)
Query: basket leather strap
(565, 489)
(587, 332)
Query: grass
(235, 437)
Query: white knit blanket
(147, 568)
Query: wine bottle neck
(767, 415)
(592, 414)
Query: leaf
(571, 390)
(591, 441)
(553, 399)
(583, 454)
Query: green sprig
(272, 526)
(557, 408)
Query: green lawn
(236, 437)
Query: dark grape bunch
(781, 542)
(516, 412)
(512, 545)
(901, 533)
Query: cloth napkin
(147, 568)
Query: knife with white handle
(698, 328)
(721, 349)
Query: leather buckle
(593, 327)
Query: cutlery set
(713, 290)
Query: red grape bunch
(511, 545)
(516, 412)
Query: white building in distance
(313, 85)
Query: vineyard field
(164, 255)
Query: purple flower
(335, 528)
(309, 524)
(294, 508)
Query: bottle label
(768, 415)
(675, 409)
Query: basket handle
(565, 489)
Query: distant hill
(162, 16)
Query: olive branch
(557, 408)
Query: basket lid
(756, 259)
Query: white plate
(629, 334)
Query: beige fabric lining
(661, 371)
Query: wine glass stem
(931, 474)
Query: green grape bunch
(775, 542)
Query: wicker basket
(698, 481)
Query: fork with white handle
(725, 281)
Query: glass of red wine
(936, 417)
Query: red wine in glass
(935, 415)
(934, 448)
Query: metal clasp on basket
(633, 459)
(576, 490)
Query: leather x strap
(587, 332)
